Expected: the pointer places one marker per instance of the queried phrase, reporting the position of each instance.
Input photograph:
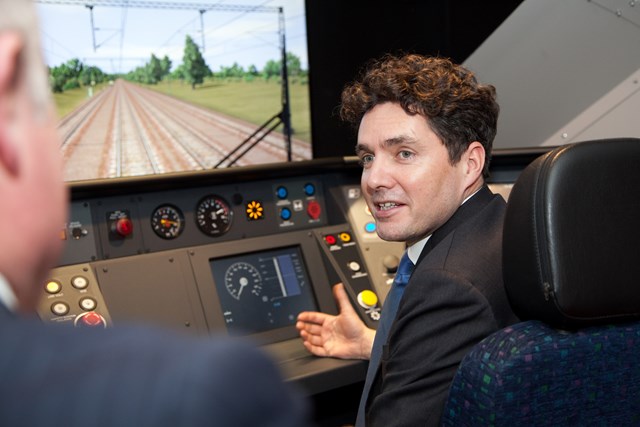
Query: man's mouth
(386, 206)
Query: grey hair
(20, 16)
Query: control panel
(236, 251)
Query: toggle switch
(390, 263)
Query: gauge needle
(241, 288)
(167, 223)
(243, 282)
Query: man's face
(407, 180)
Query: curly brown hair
(457, 108)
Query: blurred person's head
(32, 193)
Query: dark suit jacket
(454, 299)
(130, 376)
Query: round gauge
(242, 279)
(213, 216)
(167, 221)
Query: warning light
(255, 210)
(53, 287)
(345, 237)
(331, 240)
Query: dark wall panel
(344, 35)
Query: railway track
(127, 130)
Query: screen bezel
(311, 257)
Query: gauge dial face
(242, 280)
(167, 221)
(213, 216)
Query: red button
(124, 227)
(92, 319)
(330, 239)
(314, 210)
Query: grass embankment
(71, 99)
(255, 102)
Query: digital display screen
(262, 291)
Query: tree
(165, 64)
(274, 68)
(178, 73)
(73, 74)
(293, 64)
(154, 70)
(91, 75)
(271, 69)
(195, 68)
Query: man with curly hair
(425, 132)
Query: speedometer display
(213, 216)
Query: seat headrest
(571, 249)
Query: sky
(125, 37)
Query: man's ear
(10, 46)
(475, 157)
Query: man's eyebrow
(396, 140)
(400, 139)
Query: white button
(354, 266)
(60, 308)
(80, 282)
(88, 304)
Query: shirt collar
(7, 296)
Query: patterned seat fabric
(533, 375)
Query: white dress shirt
(7, 296)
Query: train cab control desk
(240, 251)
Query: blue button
(309, 189)
(370, 227)
(282, 192)
(285, 213)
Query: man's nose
(379, 174)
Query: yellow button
(345, 237)
(53, 287)
(367, 298)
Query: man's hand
(344, 336)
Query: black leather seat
(572, 272)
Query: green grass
(69, 100)
(255, 102)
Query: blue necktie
(389, 310)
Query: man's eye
(405, 154)
(366, 159)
